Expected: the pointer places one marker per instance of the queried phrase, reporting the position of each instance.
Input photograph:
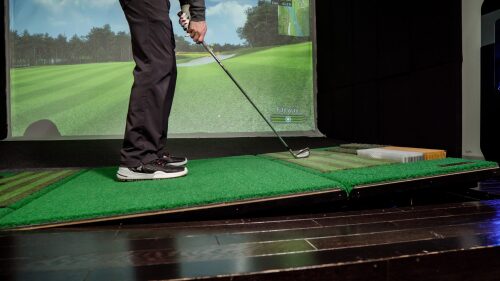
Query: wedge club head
(301, 154)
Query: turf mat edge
(406, 171)
(351, 178)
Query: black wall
(389, 72)
(490, 97)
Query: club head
(303, 153)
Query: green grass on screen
(92, 99)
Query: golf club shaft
(185, 11)
(246, 95)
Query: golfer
(143, 155)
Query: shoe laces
(160, 162)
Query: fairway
(92, 99)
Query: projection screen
(71, 66)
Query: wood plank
(52, 237)
(492, 203)
(192, 243)
(133, 234)
(217, 223)
(449, 265)
(457, 265)
(406, 215)
(345, 230)
(106, 234)
(378, 211)
(234, 266)
(180, 226)
(480, 264)
(158, 256)
(246, 221)
(396, 236)
(373, 242)
(85, 244)
(75, 275)
(27, 239)
(452, 208)
(138, 240)
(351, 272)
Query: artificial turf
(329, 161)
(6, 174)
(16, 187)
(92, 99)
(349, 178)
(4, 211)
(400, 171)
(95, 194)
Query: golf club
(303, 153)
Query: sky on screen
(70, 17)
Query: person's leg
(162, 152)
(168, 105)
(154, 79)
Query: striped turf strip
(343, 150)
(329, 161)
(20, 186)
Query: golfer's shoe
(154, 170)
(172, 160)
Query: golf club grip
(185, 10)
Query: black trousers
(155, 76)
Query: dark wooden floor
(456, 241)
(491, 186)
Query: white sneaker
(154, 170)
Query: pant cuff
(136, 163)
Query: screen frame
(4, 94)
(315, 132)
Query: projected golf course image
(81, 86)
(92, 99)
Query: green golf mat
(6, 174)
(350, 178)
(407, 171)
(94, 194)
